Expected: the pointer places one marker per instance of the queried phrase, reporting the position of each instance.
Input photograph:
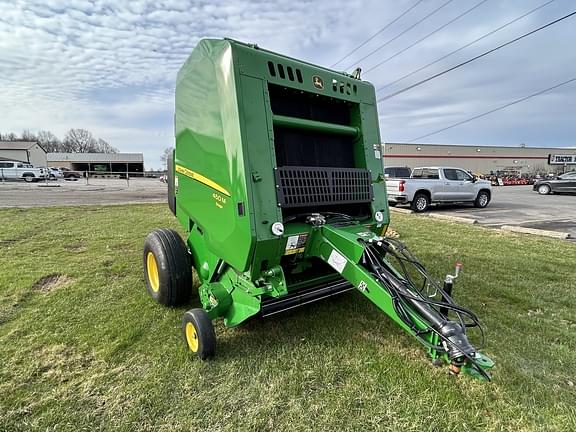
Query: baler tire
(167, 267)
(199, 333)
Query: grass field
(82, 346)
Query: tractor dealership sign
(562, 159)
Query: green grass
(92, 351)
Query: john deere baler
(277, 179)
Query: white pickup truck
(15, 170)
(429, 185)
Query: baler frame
(279, 183)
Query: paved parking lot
(520, 206)
(67, 193)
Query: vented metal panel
(311, 186)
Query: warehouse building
(23, 151)
(104, 163)
(483, 159)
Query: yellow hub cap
(191, 337)
(152, 268)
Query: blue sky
(110, 66)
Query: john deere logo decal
(318, 83)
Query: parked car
(565, 183)
(397, 172)
(55, 173)
(15, 170)
(68, 174)
(428, 185)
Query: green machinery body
(278, 180)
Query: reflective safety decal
(200, 178)
(296, 244)
(366, 234)
(337, 261)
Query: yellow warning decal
(200, 178)
(294, 251)
(296, 244)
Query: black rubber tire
(174, 268)
(28, 178)
(416, 203)
(392, 204)
(205, 336)
(482, 199)
(544, 189)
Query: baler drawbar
(277, 178)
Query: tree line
(75, 141)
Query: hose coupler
(458, 346)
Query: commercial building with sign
(113, 163)
(482, 159)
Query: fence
(88, 177)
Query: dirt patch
(16, 239)
(76, 248)
(52, 282)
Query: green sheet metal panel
(209, 159)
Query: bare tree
(75, 141)
(102, 146)
(28, 136)
(79, 141)
(164, 156)
(49, 142)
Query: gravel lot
(72, 193)
(520, 206)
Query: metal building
(482, 159)
(109, 163)
(23, 151)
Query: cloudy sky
(109, 66)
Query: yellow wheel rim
(191, 337)
(152, 268)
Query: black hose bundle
(411, 300)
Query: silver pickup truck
(429, 185)
(16, 170)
